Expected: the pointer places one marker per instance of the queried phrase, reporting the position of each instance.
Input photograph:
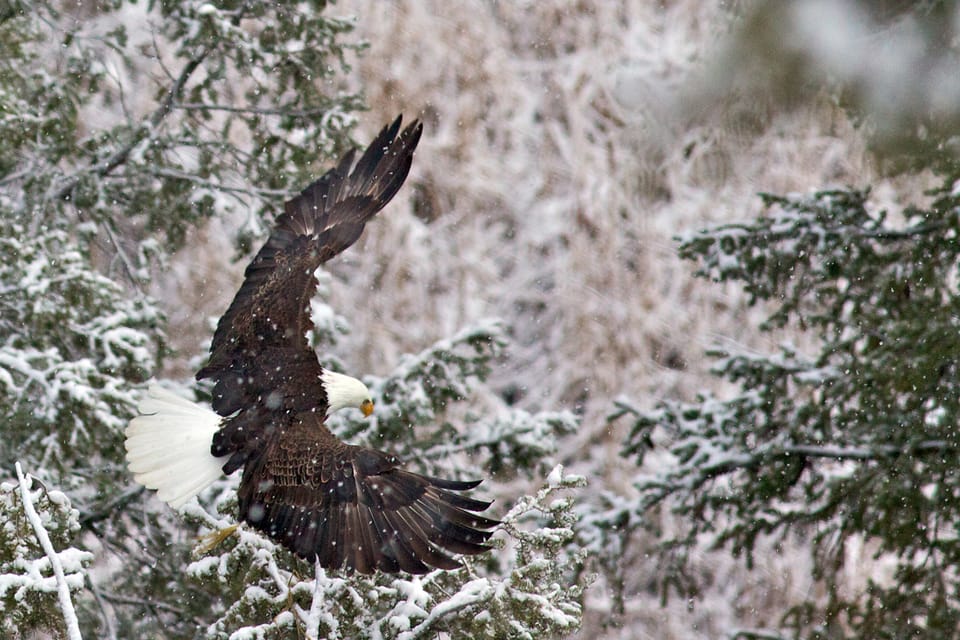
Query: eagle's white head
(344, 392)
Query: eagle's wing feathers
(271, 309)
(355, 508)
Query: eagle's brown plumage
(345, 506)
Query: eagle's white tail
(168, 446)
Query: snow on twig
(313, 617)
(63, 589)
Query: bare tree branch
(147, 130)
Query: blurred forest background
(567, 145)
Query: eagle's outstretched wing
(355, 508)
(342, 505)
(259, 354)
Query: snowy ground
(558, 161)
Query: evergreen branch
(312, 621)
(764, 229)
(478, 592)
(690, 477)
(866, 454)
(909, 233)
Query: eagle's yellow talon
(213, 539)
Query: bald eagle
(340, 505)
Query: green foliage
(424, 384)
(269, 79)
(72, 338)
(853, 438)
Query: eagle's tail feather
(168, 446)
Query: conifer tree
(113, 147)
(851, 439)
(848, 436)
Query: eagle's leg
(213, 539)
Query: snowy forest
(677, 279)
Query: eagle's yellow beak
(366, 407)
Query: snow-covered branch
(35, 577)
(63, 589)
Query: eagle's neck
(344, 392)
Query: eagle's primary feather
(344, 506)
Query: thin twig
(259, 193)
(124, 259)
(152, 604)
(111, 507)
(16, 175)
(266, 111)
(106, 617)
